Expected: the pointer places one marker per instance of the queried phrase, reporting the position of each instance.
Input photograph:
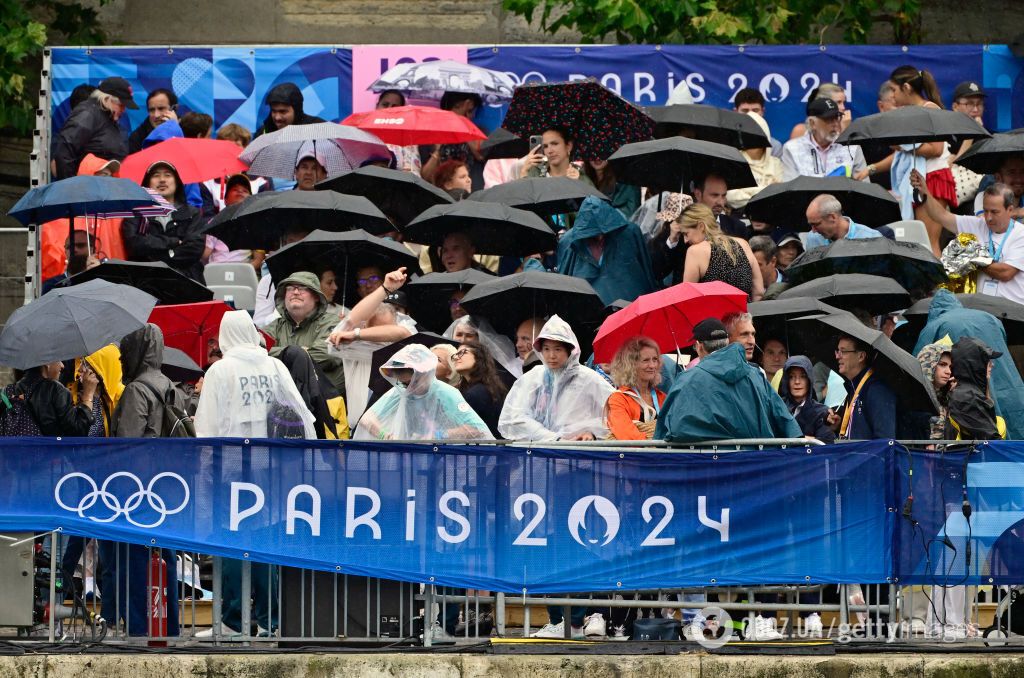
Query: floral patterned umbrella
(599, 120)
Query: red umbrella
(195, 159)
(415, 125)
(188, 327)
(667, 316)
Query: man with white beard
(815, 154)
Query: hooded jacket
(140, 413)
(925, 424)
(106, 363)
(286, 93)
(624, 268)
(947, 316)
(196, 195)
(89, 129)
(810, 415)
(546, 404)
(311, 334)
(724, 397)
(971, 414)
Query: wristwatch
(871, 170)
(357, 332)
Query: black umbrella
(178, 367)
(987, 156)
(914, 267)
(912, 125)
(544, 196)
(504, 144)
(770, 317)
(344, 253)
(378, 384)
(258, 222)
(493, 229)
(429, 295)
(707, 123)
(508, 301)
(786, 204)
(168, 285)
(666, 164)
(1010, 314)
(849, 291)
(817, 337)
(399, 195)
(68, 323)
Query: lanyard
(654, 399)
(998, 253)
(844, 428)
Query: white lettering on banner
(774, 87)
(653, 539)
(442, 506)
(573, 77)
(238, 516)
(367, 519)
(643, 86)
(410, 515)
(312, 518)
(736, 82)
(604, 508)
(702, 515)
(538, 516)
(809, 82)
(612, 82)
(693, 81)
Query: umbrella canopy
(191, 327)
(667, 316)
(987, 156)
(160, 208)
(509, 300)
(343, 148)
(1009, 312)
(667, 164)
(68, 323)
(707, 123)
(544, 196)
(168, 285)
(912, 125)
(817, 336)
(194, 159)
(343, 253)
(401, 196)
(416, 125)
(429, 295)
(259, 221)
(178, 367)
(849, 291)
(79, 196)
(770, 317)
(504, 144)
(493, 229)
(597, 118)
(431, 79)
(785, 204)
(912, 266)
(378, 384)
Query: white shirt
(1010, 248)
(804, 157)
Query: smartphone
(535, 141)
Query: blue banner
(501, 518)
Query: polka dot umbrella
(598, 119)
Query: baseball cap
(968, 88)
(120, 88)
(397, 298)
(709, 329)
(823, 108)
(788, 238)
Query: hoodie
(810, 415)
(724, 397)
(926, 425)
(622, 269)
(972, 414)
(311, 334)
(194, 193)
(286, 93)
(140, 412)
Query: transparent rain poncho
(546, 404)
(247, 393)
(500, 346)
(419, 406)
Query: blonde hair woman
(712, 255)
(634, 407)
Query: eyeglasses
(365, 282)
(458, 354)
(841, 351)
(295, 288)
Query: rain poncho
(500, 346)
(106, 363)
(546, 404)
(140, 411)
(948, 317)
(971, 414)
(247, 388)
(724, 397)
(622, 270)
(424, 409)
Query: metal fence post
(218, 607)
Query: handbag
(656, 629)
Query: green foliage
(24, 31)
(723, 21)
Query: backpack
(176, 423)
(284, 422)
(15, 414)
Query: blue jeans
(576, 615)
(124, 585)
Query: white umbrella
(431, 79)
(343, 149)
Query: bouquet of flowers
(962, 258)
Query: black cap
(120, 88)
(968, 88)
(398, 298)
(709, 329)
(823, 108)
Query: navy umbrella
(72, 322)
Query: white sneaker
(438, 636)
(813, 626)
(594, 626)
(225, 632)
(557, 632)
(764, 629)
(694, 631)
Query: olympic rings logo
(113, 502)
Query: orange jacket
(623, 409)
